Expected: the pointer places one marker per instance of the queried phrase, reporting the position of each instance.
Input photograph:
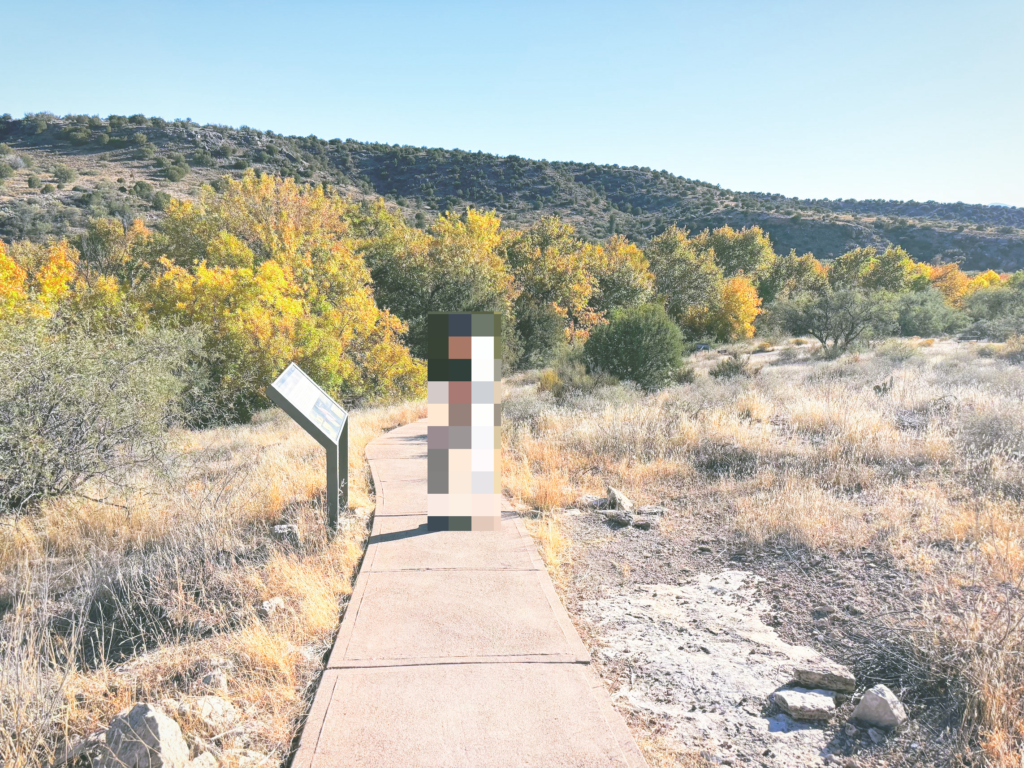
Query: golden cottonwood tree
(271, 270)
(455, 267)
(551, 267)
(747, 250)
(36, 277)
(731, 317)
(951, 283)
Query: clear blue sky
(901, 100)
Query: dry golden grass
(927, 469)
(181, 575)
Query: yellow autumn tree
(36, 277)
(951, 282)
(271, 272)
(987, 279)
(13, 283)
(551, 268)
(457, 266)
(732, 316)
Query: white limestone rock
(806, 704)
(880, 707)
(143, 737)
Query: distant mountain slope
(108, 159)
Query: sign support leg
(343, 465)
(332, 486)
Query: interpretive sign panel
(325, 421)
(311, 401)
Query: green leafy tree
(838, 318)
(926, 313)
(852, 268)
(552, 270)
(790, 275)
(686, 278)
(623, 274)
(892, 271)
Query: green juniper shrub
(143, 189)
(176, 172)
(102, 139)
(34, 182)
(161, 200)
(639, 344)
(48, 189)
(64, 174)
(5, 171)
(77, 135)
(203, 158)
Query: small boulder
(618, 500)
(287, 533)
(590, 501)
(825, 674)
(880, 707)
(876, 735)
(269, 607)
(618, 517)
(216, 713)
(652, 509)
(143, 737)
(643, 523)
(804, 704)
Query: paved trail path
(455, 651)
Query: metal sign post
(326, 422)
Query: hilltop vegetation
(64, 170)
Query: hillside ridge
(63, 170)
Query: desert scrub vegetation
(924, 477)
(178, 576)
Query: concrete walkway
(455, 651)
